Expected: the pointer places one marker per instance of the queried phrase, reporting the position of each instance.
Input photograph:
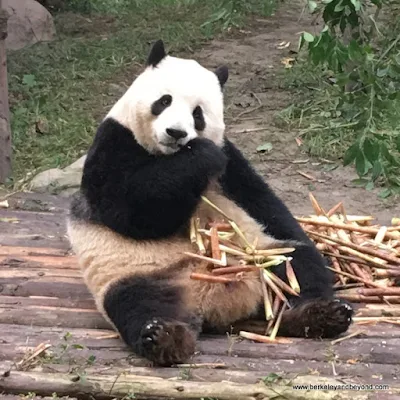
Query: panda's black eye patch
(161, 104)
(199, 122)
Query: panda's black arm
(144, 196)
(241, 183)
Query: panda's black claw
(166, 342)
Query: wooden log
(151, 387)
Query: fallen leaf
(12, 220)
(352, 361)
(4, 204)
(288, 62)
(42, 126)
(298, 141)
(283, 45)
(266, 147)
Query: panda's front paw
(208, 155)
(167, 342)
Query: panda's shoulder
(113, 143)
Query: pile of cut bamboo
(364, 256)
(230, 256)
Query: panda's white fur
(140, 283)
(172, 76)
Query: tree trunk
(5, 130)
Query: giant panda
(158, 150)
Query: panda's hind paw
(328, 318)
(318, 318)
(167, 342)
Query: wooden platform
(52, 340)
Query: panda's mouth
(172, 145)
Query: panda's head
(171, 102)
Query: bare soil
(255, 94)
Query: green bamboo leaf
(350, 154)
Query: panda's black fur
(131, 198)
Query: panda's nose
(176, 133)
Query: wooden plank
(36, 229)
(10, 273)
(34, 397)
(367, 350)
(23, 302)
(31, 261)
(51, 316)
(32, 201)
(63, 288)
(241, 370)
(18, 251)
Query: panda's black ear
(222, 74)
(157, 53)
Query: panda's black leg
(149, 313)
(315, 313)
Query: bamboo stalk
(275, 310)
(204, 258)
(383, 291)
(334, 209)
(348, 227)
(356, 278)
(267, 278)
(347, 258)
(358, 298)
(317, 208)
(282, 285)
(351, 335)
(336, 266)
(361, 249)
(387, 273)
(267, 301)
(379, 310)
(278, 322)
(211, 278)
(264, 339)
(220, 226)
(234, 269)
(193, 235)
(215, 250)
(294, 284)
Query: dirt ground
(254, 96)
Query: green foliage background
(353, 108)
